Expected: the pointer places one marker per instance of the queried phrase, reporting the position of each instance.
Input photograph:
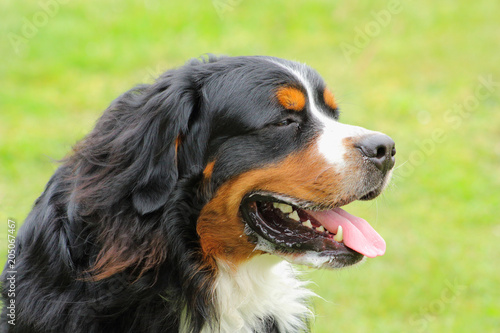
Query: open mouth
(294, 228)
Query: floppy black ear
(156, 183)
(173, 106)
(133, 150)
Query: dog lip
(281, 198)
(294, 202)
(371, 195)
(285, 232)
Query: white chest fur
(264, 287)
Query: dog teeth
(294, 216)
(307, 224)
(339, 237)
(320, 229)
(283, 207)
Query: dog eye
(284, 122)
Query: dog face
(252, 147)
(279, 165)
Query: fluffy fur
(140, 229)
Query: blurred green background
(425, 72)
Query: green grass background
(416, 77)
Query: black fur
(129, 197)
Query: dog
(183, 208)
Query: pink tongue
(358, 234)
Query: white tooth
(339, 237)
(320, 229)
(307, 224)
(284, 208)
(294, 216)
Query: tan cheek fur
(304, 175)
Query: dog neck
(260, 293)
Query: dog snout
(379, 149)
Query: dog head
(279, 166)
(256, 146)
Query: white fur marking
(330, 142)
(263, 287)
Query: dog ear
(156, 183)
(134, 149)
(173, 110)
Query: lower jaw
(314, 259)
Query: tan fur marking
(304, 175)
(207, 173)
(291, 98)
(116, 256)
(329, 98)
(178, 141)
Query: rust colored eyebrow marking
(291, 98)
(329, 98)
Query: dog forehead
(247, 93)
(254, 84)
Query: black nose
(380, 149)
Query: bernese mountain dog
(183, 208)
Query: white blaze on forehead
(330, 141)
